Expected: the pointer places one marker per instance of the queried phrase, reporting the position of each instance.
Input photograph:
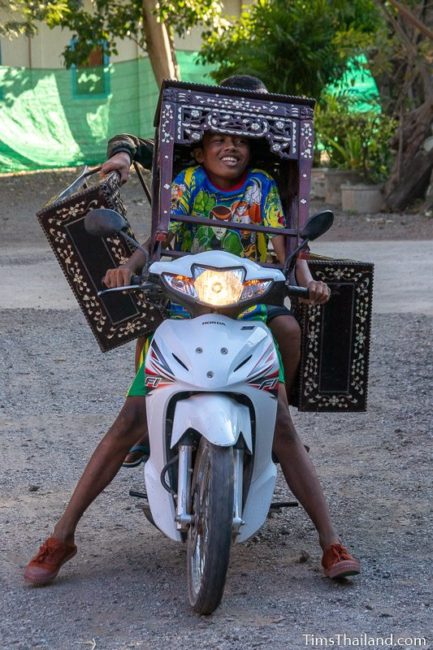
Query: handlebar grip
(135, 279)
(297, 292)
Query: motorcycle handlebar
(136, 282)
(297, 292)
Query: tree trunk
(409, 95)
(161, 54)
(411, 173)
(412, 186)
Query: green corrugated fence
(59, 118)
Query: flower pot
(318, 182)
(362, 198)
(334, 179)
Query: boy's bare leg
(299, 472)
(135, 454)
(99, 472)
(302, 479)
(103, 465)
(297, 467)
(287, 333)
(139, 345)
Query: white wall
(45, 49)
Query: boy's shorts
(138, 387)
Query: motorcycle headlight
(217, 288)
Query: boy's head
(244, 82)
(224, 158)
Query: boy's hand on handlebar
(119, 277)
(120, 162)
(319, 292)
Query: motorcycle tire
(210, 533)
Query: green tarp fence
(53, 118)
(358, 84)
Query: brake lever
(137, 285)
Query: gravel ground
(126, 588)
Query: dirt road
(126, 586)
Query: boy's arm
(122, 150)
(279, 246)
(121, 276)
(120, 162)
(319, 291)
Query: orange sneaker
(46, 564)
(337, 562)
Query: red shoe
(337, 562)
(46, 564)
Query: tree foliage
(296, 46)
(299, 47)
(353, 140)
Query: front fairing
(218, 378)
(212, 353)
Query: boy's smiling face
(224, 157)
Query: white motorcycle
(212, 403)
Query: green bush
(359, 141)
(295, 47)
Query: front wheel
(210, 533)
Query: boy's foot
(46, 564)
(136, 455)
(337, 562)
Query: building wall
(45, 49)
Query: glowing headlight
(217, 288)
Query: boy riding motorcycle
(225, 161)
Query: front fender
(217, 417)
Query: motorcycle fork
(183, 516)
(238, 478)
(185, 470)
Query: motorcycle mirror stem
(291, 258)
(315, 227)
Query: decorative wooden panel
(336, 339)
(114, 319)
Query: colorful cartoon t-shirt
(254, 199)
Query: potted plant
(356, 145)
